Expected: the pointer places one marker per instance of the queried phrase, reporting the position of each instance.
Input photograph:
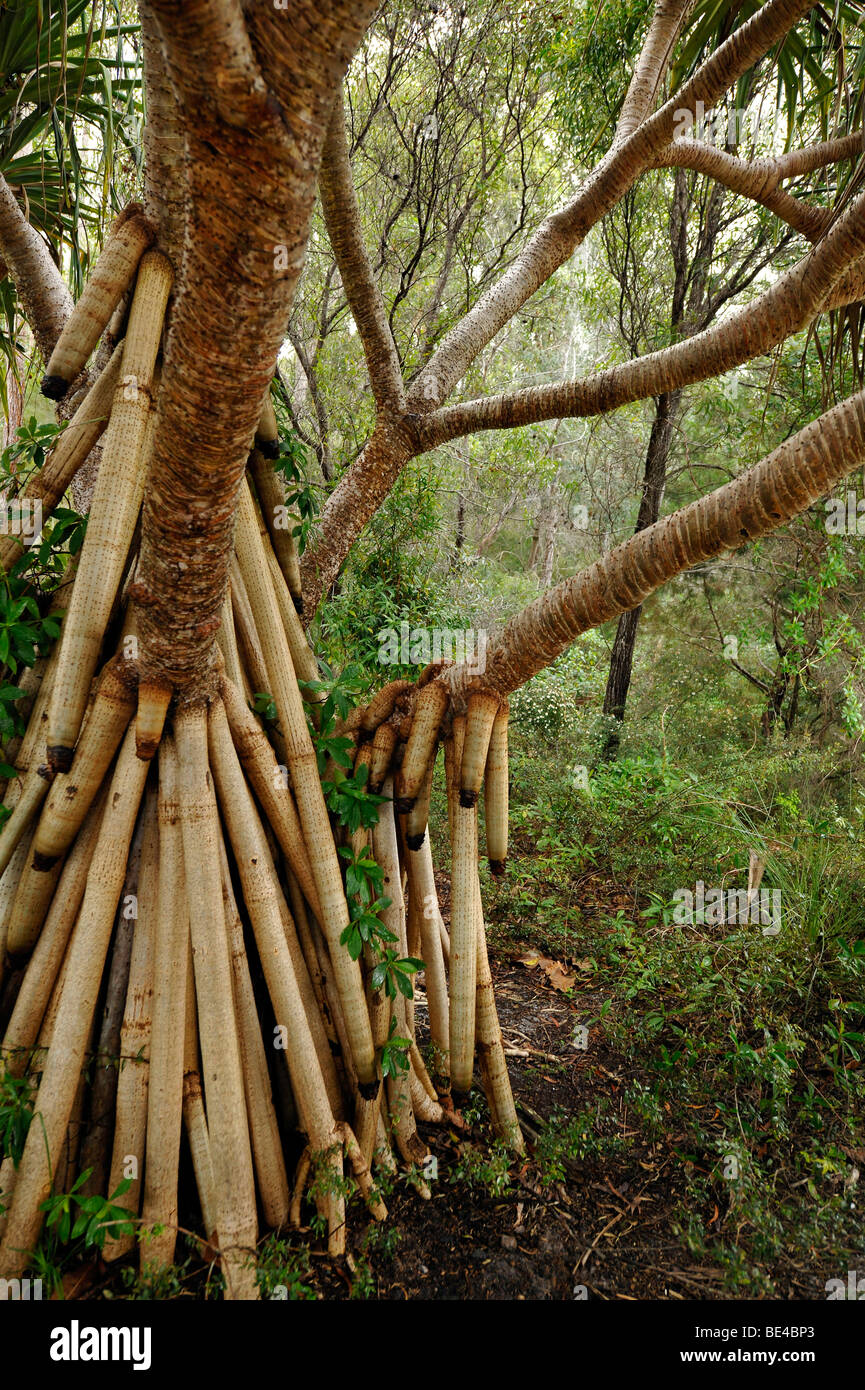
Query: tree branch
(366, 484)
(559, 235)
(45, 299)
(787, 482)
(654, 59)
(342, 216)
(760, 179)
(788, 306)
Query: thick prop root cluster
(172, 891)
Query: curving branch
(559, 235)
(342, 216)
(760, 179)
(787, 482)
(667, 23)
(367, 483)
(787, 307)
(850, 289)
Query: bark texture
(255, 95)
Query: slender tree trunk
(654, 479)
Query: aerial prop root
(238, 847)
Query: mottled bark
(165, 172)
(760, 179)
(256, 92)
(342, 216)
(654, 59)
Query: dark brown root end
(460, 1098)
(297, 600)
(59, 757)
(415, 841)
(42, 863)
(268, 447)
(404, 804)
(369, 1089)
(145, 748)
(497, 867)
(54, 387)
(468, 799)
(442, 1087)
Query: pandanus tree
(144, 773)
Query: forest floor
(605, 1229)
(622, 1192)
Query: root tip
(414, 842)
(54, 387)
(145, 748)
(268, 447)
(59, 757)
(468, 799)
(404, 804)
(42, 863)
(497, 867)
(369, 1089)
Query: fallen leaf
(558, 974)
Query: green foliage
(27, 452)
(366, 928)
(746, 1047)
(395, 1053)
(16, 1111)
(588, 60)
(487, 1168)
(548, 707)
(282, 1270)
(300, 499)
(76, 1226)
(90, 1220)
(394, 974)
(347, 796)
(392, 577)
(342, 691)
